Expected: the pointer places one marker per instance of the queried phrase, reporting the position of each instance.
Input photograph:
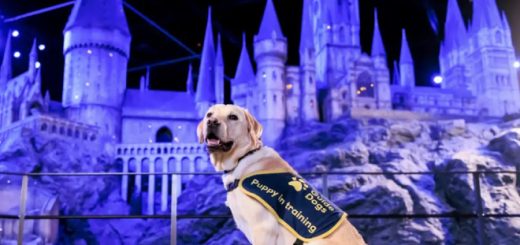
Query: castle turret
(406, 66)
(244, 80)
(270, 54)
(96, 49)
(205, 95)
(219, 74)
(494, 79)
(6, 72)
(308, 104)
(381, 86)
(453, 49)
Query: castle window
(274, 75)
(264, 76)
(274, 97)
(310, 80)
(164, 135)
(498, 37)
(364, 88)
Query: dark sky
(186, 20)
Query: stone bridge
(158, 158)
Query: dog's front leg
(264, 235)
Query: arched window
(365, 85)
(164, 135)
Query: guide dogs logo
(298, 184)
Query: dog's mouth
(214, 143)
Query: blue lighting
(15, 33)
(438, 79)
(17, 54)
(41, 47)
(516, 64)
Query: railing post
(325, 185)
(21, 211)
(173, 211)
(124, 180)
(480, 212)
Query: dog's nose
(213, 123)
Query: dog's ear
(200, 131)
(254, 128)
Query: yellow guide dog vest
(296, 205)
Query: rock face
(380, 145)
(344, 146)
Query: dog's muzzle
(214, 143)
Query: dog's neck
(248, 165)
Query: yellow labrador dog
(232, 136)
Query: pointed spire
(396, 76)
(47, 97)
(244, 71)
(485, 15)
(219, 61)
(147, 79)
(270, 27)
(454, 27)
(189, 81)
(505, 22)
(33, 57)
(142, 83)
(6, 72)
(219, 74)
(306, 37)
(378, 49)
(100, 14)
(406, 56)
(206, 80)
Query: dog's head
(228, 132)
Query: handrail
(218, 173)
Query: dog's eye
(232, 117)
(209, 114)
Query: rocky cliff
(380, 145)
(346, 145)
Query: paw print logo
(298, 184)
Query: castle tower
(336, 38)
(270, 48)
(219, 74)
(96, 49)
(308, 108)
(294, 96)
(382, 75)
(453, 49)
(205, 95)
(242, 86)
(492, 55)
(337, 45)
(6, 72)
(406, 66)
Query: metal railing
(480, 215)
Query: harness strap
(298, 242)
(233, 185)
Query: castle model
(155, 130)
